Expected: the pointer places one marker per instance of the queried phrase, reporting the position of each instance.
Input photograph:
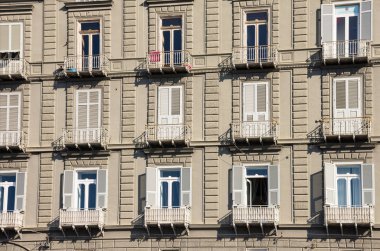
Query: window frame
(161, 28)
(170, 180)
(346, 15)
(245, 187)
(357, 165)
(361, 97)
(100, 106)
(9, 173)
(243, 101)
(10, 37)
(182, 105)
(76, 187)
(245, 23)
(79, 35)
(8, 94)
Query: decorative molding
(168, 2)
(86, 6)
(16, 8)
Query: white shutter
(262, 101)
(185, 186)
(163, 105)
(238, 186)
(20, 191)
(88, 109)
(68, 189)
(82, 110)
(16, 37)
(3, 112)
(330, 184)
(353, 98)
(347, 98)
(10, 111)
(366, 20)
(151, 186)
(248, 102)
(327, 22)
(368, 184)
(273, 185)
(94, 109)
(176, 105)
(101, 187)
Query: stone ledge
(87, 6)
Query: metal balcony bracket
(147, 229)
(187, 229)
(247, 140)
(261, 140)
(370, 229)
(341, 228)
(160, 143)
(262, 227)
(75, 230)
(356, 229)
(327, 229)
(275, 229)
(172, 225)
(235, 228)
(159, 227)
(173, 142)
(248, 228)
(88, 230)
(173, 69)
(4, 232)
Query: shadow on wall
(316, 198)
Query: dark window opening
(257, 191)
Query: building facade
(189, 125)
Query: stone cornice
(168, 2)
(85, 6)
(16, 8)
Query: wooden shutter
(163, 105)
(10, 111)
(16, 37)
(248, 101)
(4, 37)
(366, 20)
(261, 102)
(368, 184)
(340, 96)
(238, 184)
(273, 185)
(88, 109)
(101, 187)
(327, 22)
(330, 184)
(68, 189)
(185, 186)
(176, 101)
(20, 191)
(151, 186)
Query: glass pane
(342, 192)
(167, 22)
(263, 34)
(85, 175)
(95, 44)
(341, 29)
(176, 194)
(257, 191)
(257, 171)
(85, 50)
(164, 194)
(170, 173)
(353, 28)
(92, 197)
(348, 170)
(81, 195)
(347, 10)
(166, 46)
(8, 178)
(90, 26)
(355, 192)
(262, 16)
(251, 42)
(11, 198)
(1, 199)
(177, 47)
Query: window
(90, 42)
(11, 40)
(171, 38)
(10, 112)
(12, 191)
(168, 187)
(349, 184)
(256, 35)
(346, 24)
(255, 185)
(347, 98)
(85, 189)
(255, 102)
(170, 105)
(88, 109)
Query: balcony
(254, 132)
(159, 62)
(255, 215)
(167, 216)
(253, 57)
(349, 129)
(11, 220)
(349, 215)
(346, 52)
(162, 135)
(86, 66)
(11, 140)
(88, 137)
(14, 69)
(77, 218)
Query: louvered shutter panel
(262, 100)
(82, 110)
(20, 191)
(16, 37)
(238, 195)
(368, 184)
(163, 105)
(151, 187)
(330, 184)
(185, 186)
(4, 37)
(94, 118)
(273, 185)
(366, 20)
(340, 96)
(14, 116)
(3, 111)
(327, 22)
(176, 101)
(249, 101)
(68, 189)
(353, 94)
(101, 186)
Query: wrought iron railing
(255, 54)
(77, 64)
(160, 59)
(346, 126)
(346, 49)
(77, 217)
(168, 132)
(339, 214)
(13, 219)
(12, 138)
(14, 66)
(256, 214)
(85, 136)
(257, 129)
(167, 215)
